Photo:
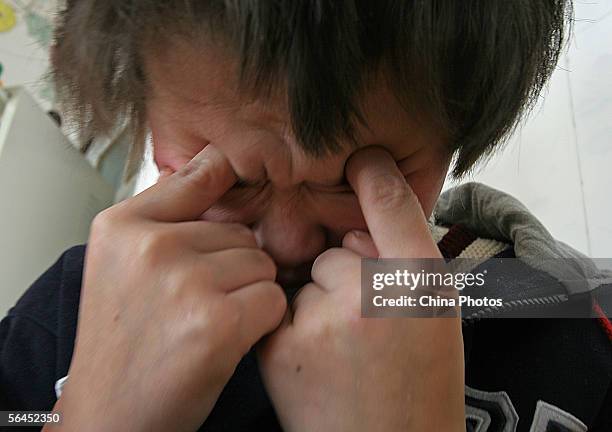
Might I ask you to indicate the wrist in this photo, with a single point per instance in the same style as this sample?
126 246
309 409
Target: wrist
78 414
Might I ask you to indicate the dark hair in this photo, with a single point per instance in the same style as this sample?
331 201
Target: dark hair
470 67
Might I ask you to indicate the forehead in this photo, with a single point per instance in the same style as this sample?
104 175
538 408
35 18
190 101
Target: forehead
195 98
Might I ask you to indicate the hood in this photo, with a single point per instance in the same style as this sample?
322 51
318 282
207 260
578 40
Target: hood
490 213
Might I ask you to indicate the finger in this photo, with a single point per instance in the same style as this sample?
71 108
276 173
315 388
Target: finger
189 192
361 243
306 301
274 343
207 236
231 269
335 268
392 211
263 305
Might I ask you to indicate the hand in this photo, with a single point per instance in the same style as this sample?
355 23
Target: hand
165 316
328 369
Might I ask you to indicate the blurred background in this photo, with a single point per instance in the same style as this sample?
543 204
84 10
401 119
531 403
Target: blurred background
558 162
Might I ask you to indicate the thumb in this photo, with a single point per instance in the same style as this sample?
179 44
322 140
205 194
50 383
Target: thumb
361 243
189 192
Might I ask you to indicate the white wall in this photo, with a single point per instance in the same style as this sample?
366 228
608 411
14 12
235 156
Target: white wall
25 61
49 195
560 162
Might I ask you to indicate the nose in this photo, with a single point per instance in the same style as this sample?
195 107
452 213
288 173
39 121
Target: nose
289 235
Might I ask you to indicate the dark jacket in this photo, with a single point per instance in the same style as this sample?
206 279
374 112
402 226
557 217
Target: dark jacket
511 364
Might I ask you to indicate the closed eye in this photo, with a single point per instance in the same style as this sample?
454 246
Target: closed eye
248 184
343 187
242 184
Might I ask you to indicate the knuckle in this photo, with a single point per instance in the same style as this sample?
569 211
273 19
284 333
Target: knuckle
182 289
215 321
229 316
105 230
153 245
213 344
104 222
389 192
202 276
228 322
263 261
277 300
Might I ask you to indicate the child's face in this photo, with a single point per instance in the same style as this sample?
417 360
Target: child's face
297 206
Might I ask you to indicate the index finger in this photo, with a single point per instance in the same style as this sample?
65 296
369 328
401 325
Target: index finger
391 210
190 191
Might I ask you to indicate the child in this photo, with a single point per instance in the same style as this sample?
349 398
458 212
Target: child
294 138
